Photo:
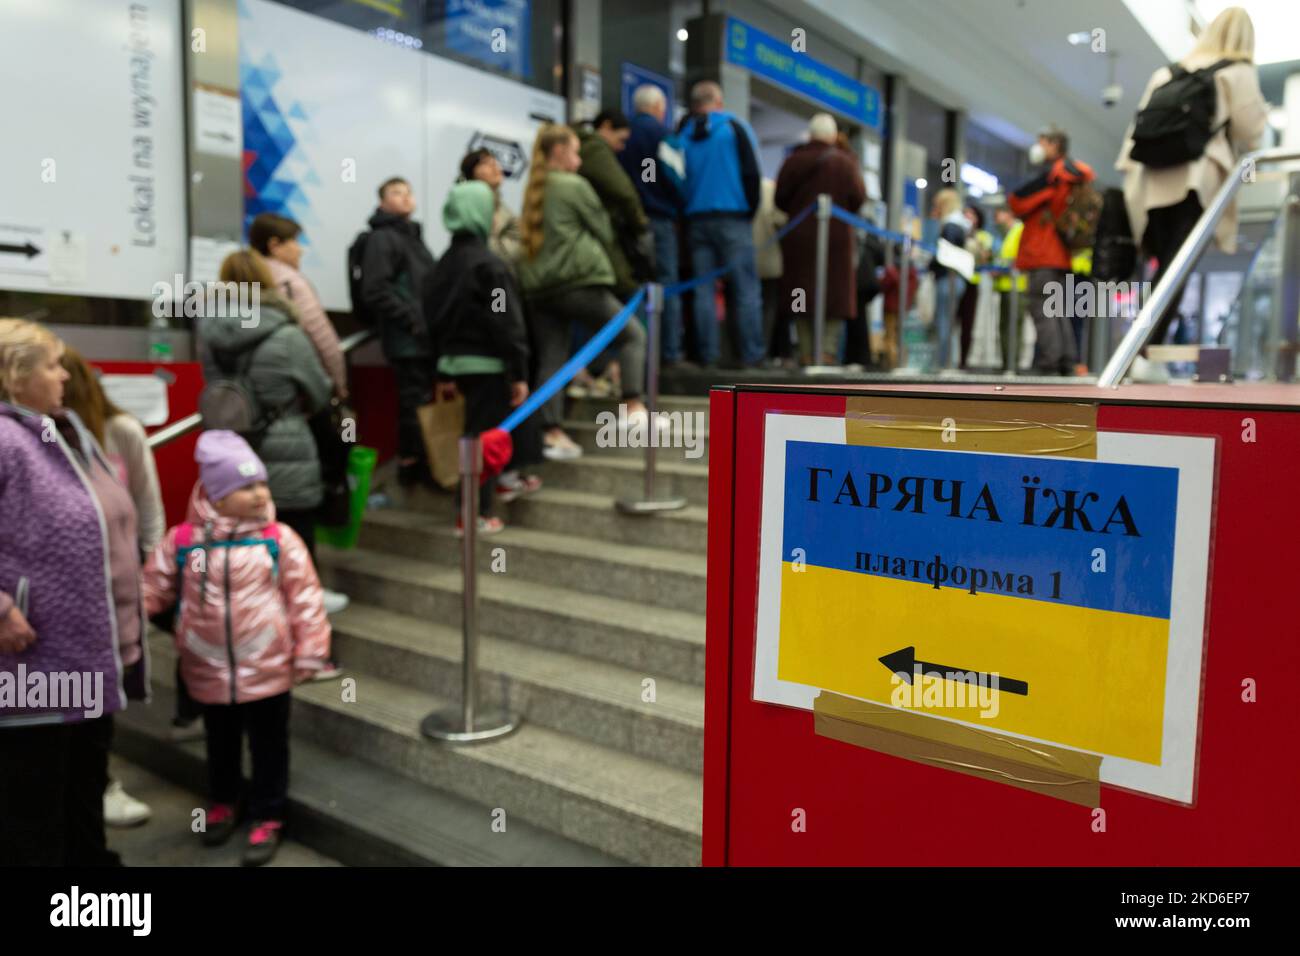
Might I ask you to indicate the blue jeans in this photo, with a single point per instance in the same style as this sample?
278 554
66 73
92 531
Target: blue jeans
946 297
718 241
665 233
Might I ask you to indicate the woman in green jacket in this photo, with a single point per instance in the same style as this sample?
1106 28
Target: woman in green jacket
566 274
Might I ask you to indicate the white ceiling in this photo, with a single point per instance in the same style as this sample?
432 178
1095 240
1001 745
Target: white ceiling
1007 62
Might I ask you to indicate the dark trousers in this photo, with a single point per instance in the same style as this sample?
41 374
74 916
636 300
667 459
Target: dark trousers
857 338
487 403
266 723
414 388
1167 229
1055 350
966 317
52 780
304 522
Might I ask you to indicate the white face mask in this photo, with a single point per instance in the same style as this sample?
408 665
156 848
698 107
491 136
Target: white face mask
1037 155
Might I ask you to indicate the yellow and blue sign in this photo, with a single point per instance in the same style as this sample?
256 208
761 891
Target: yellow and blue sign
776 61
1049 577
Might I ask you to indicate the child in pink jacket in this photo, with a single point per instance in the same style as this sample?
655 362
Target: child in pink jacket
250 624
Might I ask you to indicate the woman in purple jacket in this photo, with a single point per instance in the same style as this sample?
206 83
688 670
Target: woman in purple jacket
71 617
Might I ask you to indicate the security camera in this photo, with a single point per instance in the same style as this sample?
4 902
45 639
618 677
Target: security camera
1111 95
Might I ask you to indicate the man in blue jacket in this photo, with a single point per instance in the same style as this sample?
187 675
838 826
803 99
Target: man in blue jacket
722 192
656 170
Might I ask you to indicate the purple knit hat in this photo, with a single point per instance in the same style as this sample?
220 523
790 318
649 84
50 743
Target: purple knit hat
226 463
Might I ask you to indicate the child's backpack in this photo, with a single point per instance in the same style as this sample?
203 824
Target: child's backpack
229 400
1175 125
168 618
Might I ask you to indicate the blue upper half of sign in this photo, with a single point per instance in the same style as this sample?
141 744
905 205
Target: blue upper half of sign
494 32
861 498
774 60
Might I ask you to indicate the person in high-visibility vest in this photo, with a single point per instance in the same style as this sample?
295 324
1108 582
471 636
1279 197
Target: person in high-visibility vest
1005 256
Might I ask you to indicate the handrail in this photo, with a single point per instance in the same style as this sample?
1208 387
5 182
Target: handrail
183 426
1163 294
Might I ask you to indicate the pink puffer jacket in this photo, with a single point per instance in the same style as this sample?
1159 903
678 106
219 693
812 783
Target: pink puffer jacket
253 606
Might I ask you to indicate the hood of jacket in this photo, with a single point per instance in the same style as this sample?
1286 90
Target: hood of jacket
469 208
202 512
1071 170
234 333
701 125
387 220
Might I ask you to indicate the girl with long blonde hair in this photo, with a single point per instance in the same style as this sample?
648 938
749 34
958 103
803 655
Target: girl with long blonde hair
566 275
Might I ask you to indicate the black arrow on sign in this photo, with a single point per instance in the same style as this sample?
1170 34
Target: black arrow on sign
903 662
29 249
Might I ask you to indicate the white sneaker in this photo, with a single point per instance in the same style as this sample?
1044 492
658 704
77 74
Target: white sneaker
121 809
335 602
640 420
561 448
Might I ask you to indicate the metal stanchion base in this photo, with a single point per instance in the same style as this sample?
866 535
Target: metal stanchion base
448 725
650 507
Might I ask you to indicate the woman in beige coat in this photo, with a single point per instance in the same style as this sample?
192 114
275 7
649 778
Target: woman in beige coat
1165 204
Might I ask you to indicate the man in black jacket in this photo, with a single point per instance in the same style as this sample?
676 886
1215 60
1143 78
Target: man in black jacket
392 274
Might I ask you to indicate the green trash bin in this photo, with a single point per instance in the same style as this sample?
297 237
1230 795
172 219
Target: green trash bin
361 466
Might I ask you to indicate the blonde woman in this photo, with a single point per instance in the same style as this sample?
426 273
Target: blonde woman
124 441
290 385
566 275
1165 204
948 285
69 601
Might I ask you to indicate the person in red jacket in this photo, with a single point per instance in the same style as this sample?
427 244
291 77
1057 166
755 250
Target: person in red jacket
1043 257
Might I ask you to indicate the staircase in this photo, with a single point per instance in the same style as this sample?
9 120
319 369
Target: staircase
594 631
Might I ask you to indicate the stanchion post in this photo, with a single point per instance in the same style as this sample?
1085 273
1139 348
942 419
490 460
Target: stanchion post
469 724
823 263
903 281
1012 362
654 304
654 311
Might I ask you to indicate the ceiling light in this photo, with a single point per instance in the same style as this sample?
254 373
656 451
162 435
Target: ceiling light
682 34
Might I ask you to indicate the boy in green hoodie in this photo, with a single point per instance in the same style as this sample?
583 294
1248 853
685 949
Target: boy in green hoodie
477 329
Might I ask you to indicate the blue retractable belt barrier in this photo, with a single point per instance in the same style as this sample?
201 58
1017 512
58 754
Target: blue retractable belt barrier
601 339
595 345
843 215
677 288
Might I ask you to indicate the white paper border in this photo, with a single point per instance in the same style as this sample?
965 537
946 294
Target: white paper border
1175 778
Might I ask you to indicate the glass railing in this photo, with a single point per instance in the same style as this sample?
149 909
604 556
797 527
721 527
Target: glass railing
1235 314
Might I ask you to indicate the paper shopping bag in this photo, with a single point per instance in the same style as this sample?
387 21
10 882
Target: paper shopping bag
443 424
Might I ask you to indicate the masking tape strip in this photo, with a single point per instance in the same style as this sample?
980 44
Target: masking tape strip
1040 768
1019 428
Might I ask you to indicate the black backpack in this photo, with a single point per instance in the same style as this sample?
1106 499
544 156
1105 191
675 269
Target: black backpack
356 256
1114 256
1177 122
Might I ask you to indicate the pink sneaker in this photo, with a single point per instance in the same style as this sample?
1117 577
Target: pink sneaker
263 841
219 824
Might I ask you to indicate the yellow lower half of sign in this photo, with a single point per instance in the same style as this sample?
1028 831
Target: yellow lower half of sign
1096 679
